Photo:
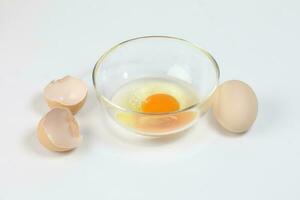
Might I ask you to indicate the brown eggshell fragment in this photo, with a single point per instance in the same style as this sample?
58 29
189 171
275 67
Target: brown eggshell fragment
68 92
58 130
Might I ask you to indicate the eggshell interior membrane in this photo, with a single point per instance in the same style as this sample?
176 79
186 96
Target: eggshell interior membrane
68 90
62 128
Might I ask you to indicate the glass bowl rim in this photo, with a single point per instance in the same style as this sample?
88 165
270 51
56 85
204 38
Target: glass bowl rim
100 96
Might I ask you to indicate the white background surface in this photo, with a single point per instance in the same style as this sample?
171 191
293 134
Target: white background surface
254 41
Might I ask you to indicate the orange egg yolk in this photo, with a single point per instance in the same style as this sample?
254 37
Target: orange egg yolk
157 103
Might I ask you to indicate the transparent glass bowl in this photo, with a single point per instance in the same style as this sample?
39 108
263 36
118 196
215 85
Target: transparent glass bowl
156 56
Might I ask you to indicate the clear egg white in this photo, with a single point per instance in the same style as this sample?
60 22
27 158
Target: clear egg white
131 95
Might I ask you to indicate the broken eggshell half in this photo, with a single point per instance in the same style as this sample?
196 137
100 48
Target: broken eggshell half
68 92
58 130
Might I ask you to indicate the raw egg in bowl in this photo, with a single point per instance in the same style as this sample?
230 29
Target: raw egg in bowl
156 85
